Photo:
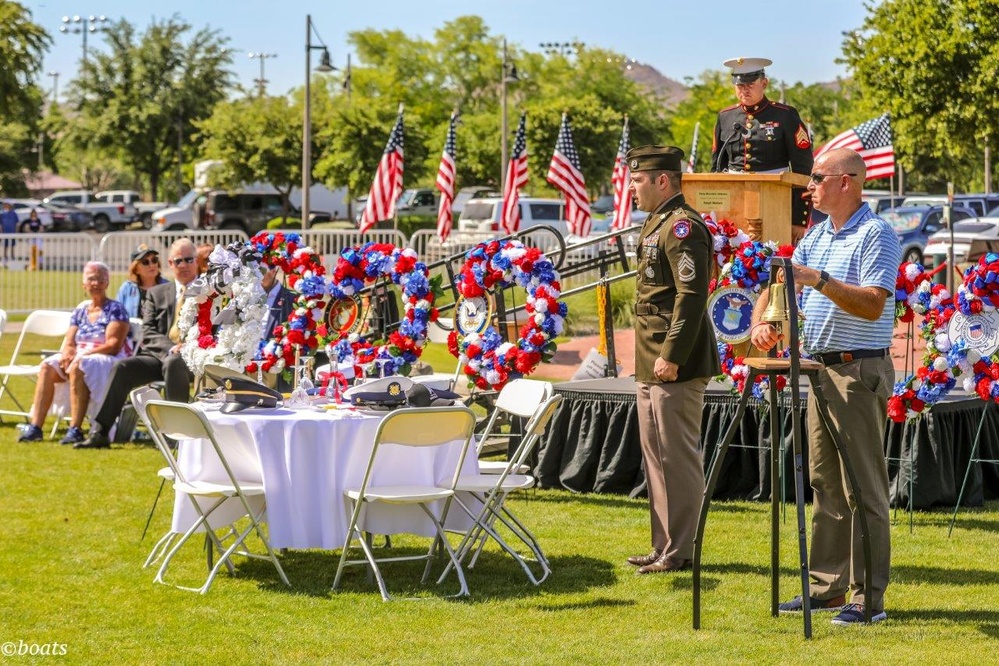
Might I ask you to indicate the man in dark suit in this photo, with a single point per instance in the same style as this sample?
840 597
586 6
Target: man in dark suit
159 356
280 302
675 353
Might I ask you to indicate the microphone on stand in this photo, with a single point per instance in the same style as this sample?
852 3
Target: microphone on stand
740 131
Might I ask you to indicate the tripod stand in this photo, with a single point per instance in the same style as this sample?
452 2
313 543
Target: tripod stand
792 368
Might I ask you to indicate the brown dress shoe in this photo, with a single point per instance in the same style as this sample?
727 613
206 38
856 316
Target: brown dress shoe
642 560
665 564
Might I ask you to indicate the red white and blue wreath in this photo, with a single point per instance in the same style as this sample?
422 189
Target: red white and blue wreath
488 361
358 267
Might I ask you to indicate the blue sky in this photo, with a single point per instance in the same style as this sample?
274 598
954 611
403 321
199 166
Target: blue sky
680 39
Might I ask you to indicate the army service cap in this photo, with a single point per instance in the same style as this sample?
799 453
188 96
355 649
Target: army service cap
747 70
655 158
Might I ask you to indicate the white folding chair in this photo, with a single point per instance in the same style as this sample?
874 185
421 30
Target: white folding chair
139 397
518 398
414 427
48 323
181 421
489 492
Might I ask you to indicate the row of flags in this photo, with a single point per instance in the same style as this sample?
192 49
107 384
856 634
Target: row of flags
871 139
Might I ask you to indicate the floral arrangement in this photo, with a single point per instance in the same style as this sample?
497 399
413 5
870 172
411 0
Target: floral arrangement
945 359
915 292
727 237
358 267
488 361
224 311
735 369
306 275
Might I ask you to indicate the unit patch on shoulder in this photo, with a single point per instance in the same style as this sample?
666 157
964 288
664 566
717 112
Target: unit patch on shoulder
681 228
801 137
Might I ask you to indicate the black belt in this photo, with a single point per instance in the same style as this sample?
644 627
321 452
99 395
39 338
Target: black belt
835 358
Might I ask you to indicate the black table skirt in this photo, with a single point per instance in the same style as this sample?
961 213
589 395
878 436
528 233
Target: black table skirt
592 446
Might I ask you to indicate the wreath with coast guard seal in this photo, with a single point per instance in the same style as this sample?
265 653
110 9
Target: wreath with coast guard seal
488 361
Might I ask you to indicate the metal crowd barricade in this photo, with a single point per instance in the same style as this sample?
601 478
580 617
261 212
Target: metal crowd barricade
116 248
42 271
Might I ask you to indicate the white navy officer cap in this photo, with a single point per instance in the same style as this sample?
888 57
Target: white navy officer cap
747 70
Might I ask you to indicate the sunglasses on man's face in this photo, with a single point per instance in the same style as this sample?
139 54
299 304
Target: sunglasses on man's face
817 178
182 260
155 261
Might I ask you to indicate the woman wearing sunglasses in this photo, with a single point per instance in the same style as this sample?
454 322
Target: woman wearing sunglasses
143 273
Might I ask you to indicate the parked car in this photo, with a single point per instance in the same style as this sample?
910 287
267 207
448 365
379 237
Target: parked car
483 215
144 209
980 204
915 224
248 211
178 217
880 200
418 203
602 205
107 216
69 218
972 238
23 208
466 194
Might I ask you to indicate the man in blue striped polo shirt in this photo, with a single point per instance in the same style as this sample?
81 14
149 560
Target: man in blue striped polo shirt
846 268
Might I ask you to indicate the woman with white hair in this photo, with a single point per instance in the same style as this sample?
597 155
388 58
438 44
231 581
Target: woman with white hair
96 339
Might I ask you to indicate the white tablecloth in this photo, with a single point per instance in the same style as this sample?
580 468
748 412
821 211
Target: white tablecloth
306 460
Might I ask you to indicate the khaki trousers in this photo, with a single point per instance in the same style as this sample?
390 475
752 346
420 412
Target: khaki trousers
669 425
857 396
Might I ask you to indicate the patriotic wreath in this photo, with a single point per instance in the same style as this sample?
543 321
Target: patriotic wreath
947 359
306 275
224 311
358 267
488 361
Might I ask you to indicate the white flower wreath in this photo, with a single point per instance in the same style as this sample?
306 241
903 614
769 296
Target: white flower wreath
229 333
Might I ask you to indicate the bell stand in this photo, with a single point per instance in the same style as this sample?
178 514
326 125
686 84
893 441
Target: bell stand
773 367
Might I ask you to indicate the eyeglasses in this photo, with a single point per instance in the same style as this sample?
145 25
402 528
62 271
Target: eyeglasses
155 261
817 178
182 260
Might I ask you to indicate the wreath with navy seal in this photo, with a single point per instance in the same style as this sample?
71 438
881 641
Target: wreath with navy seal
488 361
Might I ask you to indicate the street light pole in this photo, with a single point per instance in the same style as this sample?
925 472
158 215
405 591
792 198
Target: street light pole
324 66
261 82
562 48
55 87
508 75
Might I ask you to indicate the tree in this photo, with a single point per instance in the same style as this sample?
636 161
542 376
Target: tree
932 64
141 100
709 95
257 139
22 46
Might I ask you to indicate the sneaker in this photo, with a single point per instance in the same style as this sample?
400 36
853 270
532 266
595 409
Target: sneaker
31 434
73 435
97 440
817 605
854 614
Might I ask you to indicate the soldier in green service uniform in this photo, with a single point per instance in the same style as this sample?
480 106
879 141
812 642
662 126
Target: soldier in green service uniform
675 353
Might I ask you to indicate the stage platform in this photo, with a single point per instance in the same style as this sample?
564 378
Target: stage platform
592 446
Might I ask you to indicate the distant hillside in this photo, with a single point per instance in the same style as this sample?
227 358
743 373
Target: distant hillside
673 92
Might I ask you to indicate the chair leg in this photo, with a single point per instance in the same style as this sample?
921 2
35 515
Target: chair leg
153 509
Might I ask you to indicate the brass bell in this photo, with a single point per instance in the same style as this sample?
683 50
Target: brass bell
776 312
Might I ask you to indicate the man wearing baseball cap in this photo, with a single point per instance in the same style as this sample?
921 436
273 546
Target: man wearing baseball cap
758 135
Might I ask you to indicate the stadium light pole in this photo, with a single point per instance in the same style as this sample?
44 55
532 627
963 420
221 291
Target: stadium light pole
324 66
82 25
261 82
508 75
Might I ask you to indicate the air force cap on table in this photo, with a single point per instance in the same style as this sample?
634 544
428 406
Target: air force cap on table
747 70
655 158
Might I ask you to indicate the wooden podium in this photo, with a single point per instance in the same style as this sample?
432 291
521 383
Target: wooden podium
759 204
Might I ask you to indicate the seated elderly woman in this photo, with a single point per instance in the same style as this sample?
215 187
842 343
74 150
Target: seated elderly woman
96 339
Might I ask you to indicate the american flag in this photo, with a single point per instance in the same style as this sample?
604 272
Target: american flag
516 178
565 175
621 179
873 140
388 181
692 161
445 182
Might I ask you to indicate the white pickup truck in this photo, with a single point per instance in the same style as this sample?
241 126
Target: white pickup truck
144 209
107 216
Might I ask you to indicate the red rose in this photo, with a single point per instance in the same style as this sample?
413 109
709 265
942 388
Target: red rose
206 342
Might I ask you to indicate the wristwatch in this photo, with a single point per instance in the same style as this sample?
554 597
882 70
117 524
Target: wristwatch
823 278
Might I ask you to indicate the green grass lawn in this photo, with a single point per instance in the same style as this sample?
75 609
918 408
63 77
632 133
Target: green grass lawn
71 556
